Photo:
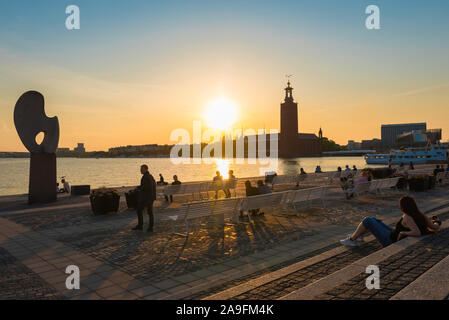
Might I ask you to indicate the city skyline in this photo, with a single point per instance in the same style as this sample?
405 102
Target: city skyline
131 75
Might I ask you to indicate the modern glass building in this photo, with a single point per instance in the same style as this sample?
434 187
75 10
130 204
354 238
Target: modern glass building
390 132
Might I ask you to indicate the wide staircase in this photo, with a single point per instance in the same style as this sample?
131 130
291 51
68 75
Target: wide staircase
412 269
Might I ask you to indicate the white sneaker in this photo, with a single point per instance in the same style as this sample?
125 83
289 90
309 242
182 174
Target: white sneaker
359 239
348 242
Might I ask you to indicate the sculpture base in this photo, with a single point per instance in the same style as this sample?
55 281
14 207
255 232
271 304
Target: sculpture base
42 188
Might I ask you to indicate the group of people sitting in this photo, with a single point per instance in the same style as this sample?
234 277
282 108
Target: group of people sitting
403 170
439 169
65 186
339 169
348 183
224 184
162 182
220 184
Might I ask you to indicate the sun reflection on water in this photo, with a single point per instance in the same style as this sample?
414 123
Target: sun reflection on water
222 165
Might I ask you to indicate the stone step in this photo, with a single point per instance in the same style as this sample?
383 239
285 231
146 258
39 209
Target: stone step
272 285
432 285
349 282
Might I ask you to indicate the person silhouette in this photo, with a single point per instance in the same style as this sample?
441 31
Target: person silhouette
145 198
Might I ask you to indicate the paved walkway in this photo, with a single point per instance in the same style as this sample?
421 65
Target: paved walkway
117 263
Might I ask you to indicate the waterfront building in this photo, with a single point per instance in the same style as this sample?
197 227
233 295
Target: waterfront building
419 138
390 132
138 148
353 145
373 144
80 148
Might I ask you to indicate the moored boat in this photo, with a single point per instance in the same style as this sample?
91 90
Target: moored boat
417 155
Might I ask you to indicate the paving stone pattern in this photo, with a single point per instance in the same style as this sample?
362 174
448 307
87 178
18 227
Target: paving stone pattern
19 282
397 271
305 276
230 284
161 255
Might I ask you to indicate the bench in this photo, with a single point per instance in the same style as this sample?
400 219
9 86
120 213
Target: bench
232 207
271 200
324 178
383 184
192 189
306 195
372 186
194 210
197 188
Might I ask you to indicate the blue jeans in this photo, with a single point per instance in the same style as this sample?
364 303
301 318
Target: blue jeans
379 229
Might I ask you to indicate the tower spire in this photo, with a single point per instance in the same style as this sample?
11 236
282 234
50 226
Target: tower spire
288 90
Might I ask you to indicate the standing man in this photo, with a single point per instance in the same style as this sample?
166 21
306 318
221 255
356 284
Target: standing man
146 197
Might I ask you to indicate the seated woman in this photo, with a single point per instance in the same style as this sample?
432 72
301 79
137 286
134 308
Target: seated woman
413 223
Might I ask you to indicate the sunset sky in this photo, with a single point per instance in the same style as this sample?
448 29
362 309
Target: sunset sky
136 70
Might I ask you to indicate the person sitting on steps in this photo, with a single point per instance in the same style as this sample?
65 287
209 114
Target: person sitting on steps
412 223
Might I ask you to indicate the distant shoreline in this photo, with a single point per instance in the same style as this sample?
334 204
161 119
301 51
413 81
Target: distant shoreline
27 156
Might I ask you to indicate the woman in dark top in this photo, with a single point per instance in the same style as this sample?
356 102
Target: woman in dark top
413 223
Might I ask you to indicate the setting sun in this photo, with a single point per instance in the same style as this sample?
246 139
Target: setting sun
221 114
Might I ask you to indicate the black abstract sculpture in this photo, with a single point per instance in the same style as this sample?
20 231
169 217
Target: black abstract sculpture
30 120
